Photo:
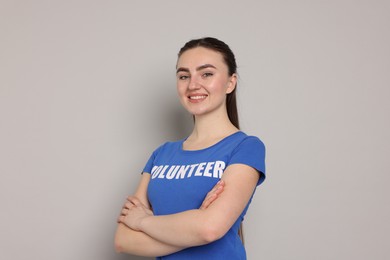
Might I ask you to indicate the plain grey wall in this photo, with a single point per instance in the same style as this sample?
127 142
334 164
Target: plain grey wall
88 91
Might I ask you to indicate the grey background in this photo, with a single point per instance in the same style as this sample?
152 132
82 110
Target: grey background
88 92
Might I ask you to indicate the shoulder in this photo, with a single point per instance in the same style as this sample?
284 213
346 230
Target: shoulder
250 141
161 152
250 150
168 146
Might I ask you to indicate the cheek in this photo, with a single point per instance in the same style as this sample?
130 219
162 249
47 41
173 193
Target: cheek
180 89
220 87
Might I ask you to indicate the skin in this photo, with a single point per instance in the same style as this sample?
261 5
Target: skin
133 242
202 84
202 72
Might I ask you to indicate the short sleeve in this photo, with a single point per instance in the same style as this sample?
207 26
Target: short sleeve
251 152
149 164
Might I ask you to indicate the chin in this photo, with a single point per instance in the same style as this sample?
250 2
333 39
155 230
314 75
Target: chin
194 111
198 113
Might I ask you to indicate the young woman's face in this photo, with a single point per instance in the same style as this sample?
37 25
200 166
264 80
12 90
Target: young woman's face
203 81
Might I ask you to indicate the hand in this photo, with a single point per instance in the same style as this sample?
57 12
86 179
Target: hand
212 195
133 212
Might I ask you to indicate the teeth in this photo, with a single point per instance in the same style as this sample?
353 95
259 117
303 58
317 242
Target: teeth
197 97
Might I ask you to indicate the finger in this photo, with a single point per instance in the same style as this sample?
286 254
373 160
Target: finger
124 212
219 190
216 190
207 202
213 194
128 205
215 186
134 200
220 184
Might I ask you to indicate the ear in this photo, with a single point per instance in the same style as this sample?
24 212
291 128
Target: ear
232 83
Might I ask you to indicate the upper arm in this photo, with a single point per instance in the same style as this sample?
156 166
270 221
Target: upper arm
240 183
141 191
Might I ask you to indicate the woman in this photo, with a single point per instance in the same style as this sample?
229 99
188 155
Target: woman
194 193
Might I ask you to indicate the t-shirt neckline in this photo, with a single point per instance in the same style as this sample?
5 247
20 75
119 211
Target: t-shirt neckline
209 147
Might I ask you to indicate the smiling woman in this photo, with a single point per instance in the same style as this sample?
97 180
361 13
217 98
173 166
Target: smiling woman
203 81
194 193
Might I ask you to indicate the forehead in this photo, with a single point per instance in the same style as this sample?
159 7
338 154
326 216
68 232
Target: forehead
199 56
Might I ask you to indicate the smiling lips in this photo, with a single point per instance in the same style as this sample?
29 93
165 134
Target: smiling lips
197 98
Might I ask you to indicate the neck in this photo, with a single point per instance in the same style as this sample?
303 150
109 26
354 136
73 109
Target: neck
212 127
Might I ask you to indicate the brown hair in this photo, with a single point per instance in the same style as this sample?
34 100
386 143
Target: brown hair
230 60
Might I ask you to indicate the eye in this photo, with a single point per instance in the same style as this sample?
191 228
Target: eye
207 75
182 77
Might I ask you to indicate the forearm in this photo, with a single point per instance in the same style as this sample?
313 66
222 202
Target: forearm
185 229
198 227
139 243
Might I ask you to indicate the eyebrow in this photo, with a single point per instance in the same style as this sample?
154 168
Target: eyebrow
205 66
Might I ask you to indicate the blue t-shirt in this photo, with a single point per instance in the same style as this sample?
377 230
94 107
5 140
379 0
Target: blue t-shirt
180 180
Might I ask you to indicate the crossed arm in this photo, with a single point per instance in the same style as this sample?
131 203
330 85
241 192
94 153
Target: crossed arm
140 232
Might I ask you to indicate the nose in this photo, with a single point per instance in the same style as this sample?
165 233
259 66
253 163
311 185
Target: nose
193 84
